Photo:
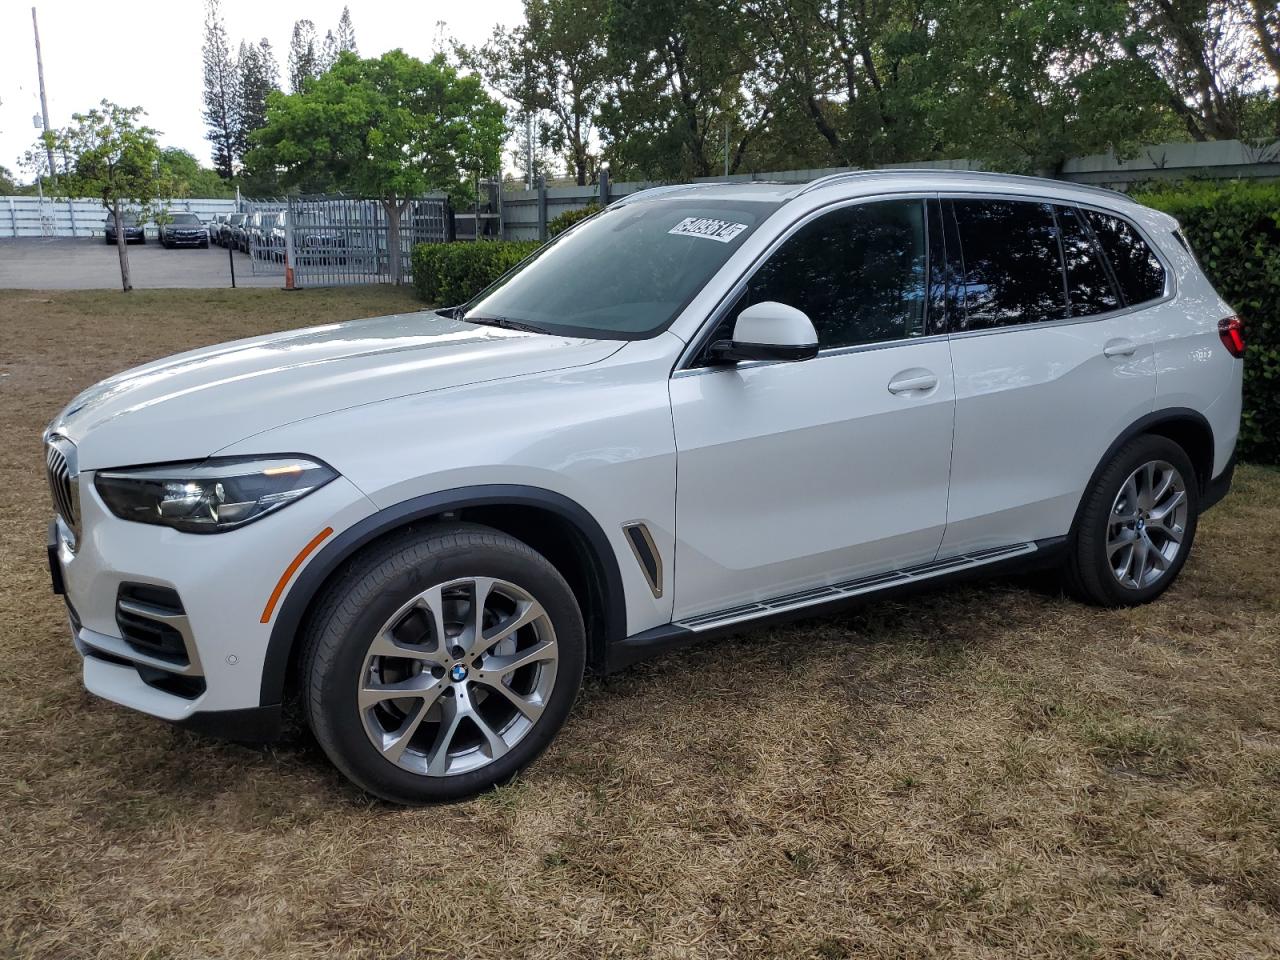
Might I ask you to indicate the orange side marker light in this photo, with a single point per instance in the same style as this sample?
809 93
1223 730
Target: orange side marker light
290 570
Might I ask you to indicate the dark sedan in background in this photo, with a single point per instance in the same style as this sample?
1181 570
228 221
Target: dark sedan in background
133 232
183 230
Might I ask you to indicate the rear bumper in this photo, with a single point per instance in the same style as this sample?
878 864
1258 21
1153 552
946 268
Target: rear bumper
1219 486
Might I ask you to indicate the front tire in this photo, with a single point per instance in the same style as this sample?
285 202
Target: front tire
441 663
1136 525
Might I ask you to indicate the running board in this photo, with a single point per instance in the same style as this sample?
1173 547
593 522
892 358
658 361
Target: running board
851 588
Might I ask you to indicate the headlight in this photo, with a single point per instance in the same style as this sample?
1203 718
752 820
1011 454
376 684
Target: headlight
210 496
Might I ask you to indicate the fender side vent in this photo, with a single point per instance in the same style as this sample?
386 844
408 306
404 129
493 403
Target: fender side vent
646 552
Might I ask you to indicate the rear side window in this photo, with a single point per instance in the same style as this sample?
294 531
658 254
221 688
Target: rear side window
1137 269
858 273
1011 263
1088 284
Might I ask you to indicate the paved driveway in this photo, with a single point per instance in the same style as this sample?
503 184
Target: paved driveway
67 264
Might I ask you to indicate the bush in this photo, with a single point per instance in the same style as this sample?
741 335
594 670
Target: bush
1234 229
559 224
453 273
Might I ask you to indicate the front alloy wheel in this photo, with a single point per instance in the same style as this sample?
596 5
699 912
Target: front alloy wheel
442 662
458 676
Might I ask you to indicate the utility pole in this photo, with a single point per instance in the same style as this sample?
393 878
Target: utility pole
44 103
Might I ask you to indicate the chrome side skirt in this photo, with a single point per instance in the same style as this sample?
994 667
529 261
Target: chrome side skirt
851 588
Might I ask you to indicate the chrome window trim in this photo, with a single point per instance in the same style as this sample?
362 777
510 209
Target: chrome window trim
697 343
684 364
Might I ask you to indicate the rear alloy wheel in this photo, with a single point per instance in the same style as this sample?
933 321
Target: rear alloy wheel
1137 524
442 663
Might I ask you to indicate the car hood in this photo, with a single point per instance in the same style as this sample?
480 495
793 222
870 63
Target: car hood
192 405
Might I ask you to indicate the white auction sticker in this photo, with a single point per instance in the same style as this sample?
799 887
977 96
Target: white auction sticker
720 230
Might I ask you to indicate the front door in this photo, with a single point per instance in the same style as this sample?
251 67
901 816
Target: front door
793 475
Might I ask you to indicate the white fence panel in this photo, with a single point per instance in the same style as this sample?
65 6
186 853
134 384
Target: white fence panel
62 217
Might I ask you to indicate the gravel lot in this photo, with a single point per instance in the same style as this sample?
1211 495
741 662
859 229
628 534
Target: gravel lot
988 771
83 264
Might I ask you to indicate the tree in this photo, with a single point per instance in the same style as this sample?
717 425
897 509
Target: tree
346 33
221 94
328 52
303 59
684 69
259 75
393 127
555 67
115 158
8 185
182 174
1213 57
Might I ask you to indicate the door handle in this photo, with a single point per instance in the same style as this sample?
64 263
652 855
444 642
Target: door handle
1119 348
919 381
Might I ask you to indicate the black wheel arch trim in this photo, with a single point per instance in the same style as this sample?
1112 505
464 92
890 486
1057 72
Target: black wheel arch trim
1144 424
298 599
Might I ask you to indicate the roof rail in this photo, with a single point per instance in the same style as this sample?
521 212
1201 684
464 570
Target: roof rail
649 192
947 173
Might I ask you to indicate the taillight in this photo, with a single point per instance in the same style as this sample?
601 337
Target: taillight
1231 330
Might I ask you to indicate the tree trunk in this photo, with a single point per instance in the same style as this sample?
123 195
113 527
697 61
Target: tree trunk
394 209
122 247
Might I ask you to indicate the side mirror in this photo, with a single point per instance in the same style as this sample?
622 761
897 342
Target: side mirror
768 331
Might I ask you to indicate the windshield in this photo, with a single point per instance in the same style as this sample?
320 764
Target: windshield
626 273
185 218
237 219
129 220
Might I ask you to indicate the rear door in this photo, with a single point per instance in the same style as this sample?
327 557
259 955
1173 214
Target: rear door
1052 363
805 474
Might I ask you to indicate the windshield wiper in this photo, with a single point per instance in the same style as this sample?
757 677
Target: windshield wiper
505 323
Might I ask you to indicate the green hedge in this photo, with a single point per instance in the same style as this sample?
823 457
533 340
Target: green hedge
1234 229
451 273
559 224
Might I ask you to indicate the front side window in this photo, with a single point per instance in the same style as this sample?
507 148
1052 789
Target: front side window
1011 263
624 274
1088 285
858 273
1138 270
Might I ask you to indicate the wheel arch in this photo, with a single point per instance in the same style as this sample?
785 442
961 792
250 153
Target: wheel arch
551 523
1187 428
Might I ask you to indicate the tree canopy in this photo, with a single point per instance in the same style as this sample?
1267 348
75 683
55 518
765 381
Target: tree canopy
392 127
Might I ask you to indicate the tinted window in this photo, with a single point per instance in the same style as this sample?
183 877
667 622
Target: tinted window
185 218
1011 263
1088 285
1138 270
626 272
859 273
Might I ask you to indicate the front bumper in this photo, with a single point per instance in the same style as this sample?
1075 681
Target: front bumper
170 624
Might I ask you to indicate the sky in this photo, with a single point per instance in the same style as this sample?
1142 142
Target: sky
160 43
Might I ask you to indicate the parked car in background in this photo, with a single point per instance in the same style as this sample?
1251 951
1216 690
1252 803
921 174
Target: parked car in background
705 408
313 241
232 232
215 228
133 230
183 230
257 229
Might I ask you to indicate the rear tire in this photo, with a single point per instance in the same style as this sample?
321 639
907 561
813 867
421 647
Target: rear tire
1136 525
470 714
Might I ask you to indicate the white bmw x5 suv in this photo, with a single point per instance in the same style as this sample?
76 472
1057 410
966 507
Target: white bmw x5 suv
703 408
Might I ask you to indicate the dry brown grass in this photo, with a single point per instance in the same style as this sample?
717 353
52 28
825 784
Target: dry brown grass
989 771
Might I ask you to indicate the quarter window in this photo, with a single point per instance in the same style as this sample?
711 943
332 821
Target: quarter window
1138 271
1011 263
1088 285
858 273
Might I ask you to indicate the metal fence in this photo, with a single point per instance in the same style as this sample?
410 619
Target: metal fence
525 213
341 241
